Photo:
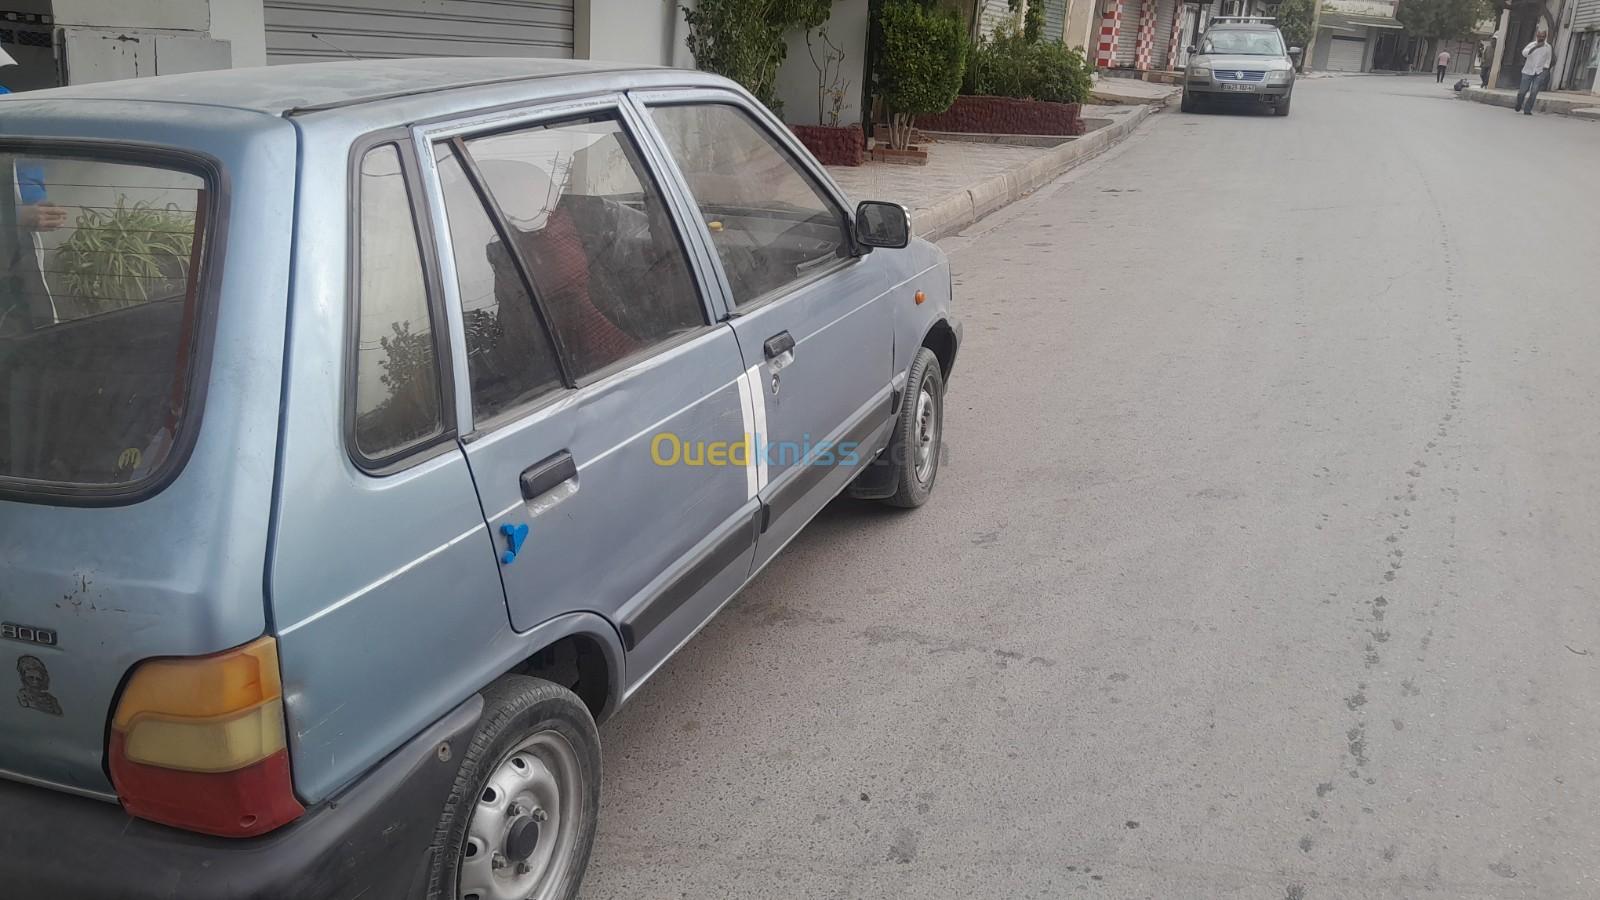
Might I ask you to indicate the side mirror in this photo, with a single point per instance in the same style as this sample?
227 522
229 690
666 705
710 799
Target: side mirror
880 224
1191 48
1295 52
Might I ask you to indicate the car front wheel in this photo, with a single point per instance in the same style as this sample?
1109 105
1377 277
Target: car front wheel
919 433
1282 109
1189 104
520 821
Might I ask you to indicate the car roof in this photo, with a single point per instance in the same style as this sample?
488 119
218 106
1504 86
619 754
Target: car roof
1242 26
284 90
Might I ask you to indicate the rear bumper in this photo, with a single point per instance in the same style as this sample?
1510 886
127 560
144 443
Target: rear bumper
371 841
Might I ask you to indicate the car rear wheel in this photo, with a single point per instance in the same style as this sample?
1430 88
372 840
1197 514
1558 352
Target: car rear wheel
919 434
520 821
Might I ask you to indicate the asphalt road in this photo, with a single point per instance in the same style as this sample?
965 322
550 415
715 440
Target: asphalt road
1263 563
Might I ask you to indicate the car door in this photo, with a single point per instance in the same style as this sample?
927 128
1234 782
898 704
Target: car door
816 334
589 347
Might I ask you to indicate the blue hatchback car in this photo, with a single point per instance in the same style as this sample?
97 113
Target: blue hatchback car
370 430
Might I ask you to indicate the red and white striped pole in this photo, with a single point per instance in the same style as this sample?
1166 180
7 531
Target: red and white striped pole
1177 36
1146 46
1110 29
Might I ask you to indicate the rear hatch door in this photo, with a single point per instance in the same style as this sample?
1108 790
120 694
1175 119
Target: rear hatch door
139 384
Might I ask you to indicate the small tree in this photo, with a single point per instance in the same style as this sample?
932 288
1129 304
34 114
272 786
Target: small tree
744 39
1435 19
1294 20
923 57
831 83
1032 18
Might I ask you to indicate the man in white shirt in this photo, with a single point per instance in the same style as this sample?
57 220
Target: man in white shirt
1537 56
1441 64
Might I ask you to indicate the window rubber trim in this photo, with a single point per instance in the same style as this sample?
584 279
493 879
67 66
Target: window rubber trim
649 101
202 323
502 229
443 440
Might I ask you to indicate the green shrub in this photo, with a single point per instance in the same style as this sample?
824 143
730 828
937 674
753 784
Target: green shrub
126 255
1032 19
1061 73
744 39
920 65
1009 65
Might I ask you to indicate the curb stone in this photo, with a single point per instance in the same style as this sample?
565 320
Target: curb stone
1555 105
977 200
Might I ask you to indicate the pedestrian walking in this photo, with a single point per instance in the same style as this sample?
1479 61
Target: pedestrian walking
1487 62
1537 57
1441 65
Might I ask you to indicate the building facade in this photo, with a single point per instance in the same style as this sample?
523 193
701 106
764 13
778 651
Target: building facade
1519 21
1141 35
1353 35
1578 48
79 41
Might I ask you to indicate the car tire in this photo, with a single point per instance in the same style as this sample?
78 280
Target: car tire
1188 103
918 439
520 820
1282 109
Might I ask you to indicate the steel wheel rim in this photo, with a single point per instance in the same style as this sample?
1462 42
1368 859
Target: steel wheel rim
534 798
927 424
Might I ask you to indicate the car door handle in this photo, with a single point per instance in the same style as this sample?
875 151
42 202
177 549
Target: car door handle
547 475
778 345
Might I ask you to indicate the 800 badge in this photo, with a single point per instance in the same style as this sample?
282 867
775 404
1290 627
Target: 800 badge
27 634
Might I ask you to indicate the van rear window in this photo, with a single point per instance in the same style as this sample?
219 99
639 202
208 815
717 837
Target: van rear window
99 276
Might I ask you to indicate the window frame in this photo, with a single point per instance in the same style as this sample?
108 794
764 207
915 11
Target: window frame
202 340
422 227
506 120
785 143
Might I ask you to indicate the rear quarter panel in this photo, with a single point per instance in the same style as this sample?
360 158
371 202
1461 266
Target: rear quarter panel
178 573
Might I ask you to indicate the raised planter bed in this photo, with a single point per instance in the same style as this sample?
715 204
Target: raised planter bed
841 146
1007 115
1014 140
912 156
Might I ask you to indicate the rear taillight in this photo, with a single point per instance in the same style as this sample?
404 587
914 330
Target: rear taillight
199 743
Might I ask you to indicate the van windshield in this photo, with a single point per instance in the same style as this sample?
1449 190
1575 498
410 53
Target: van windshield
99 267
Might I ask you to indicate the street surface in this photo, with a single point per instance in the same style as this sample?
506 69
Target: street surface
1263 562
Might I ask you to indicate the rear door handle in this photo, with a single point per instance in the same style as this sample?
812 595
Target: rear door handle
547 475
778 345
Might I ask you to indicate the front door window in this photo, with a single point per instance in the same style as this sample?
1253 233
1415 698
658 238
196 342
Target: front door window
771 224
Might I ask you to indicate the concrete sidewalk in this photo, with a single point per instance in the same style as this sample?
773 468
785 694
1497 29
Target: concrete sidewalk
1563 103
969 178
1131 91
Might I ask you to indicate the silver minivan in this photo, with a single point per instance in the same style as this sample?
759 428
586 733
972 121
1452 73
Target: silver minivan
370 430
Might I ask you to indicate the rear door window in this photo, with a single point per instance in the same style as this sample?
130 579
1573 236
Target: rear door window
509 355
591 230
100 275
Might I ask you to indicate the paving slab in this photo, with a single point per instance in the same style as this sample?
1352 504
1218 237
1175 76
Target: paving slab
1125 91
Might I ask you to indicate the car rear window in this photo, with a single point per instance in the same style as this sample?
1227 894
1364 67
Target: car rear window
99 275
